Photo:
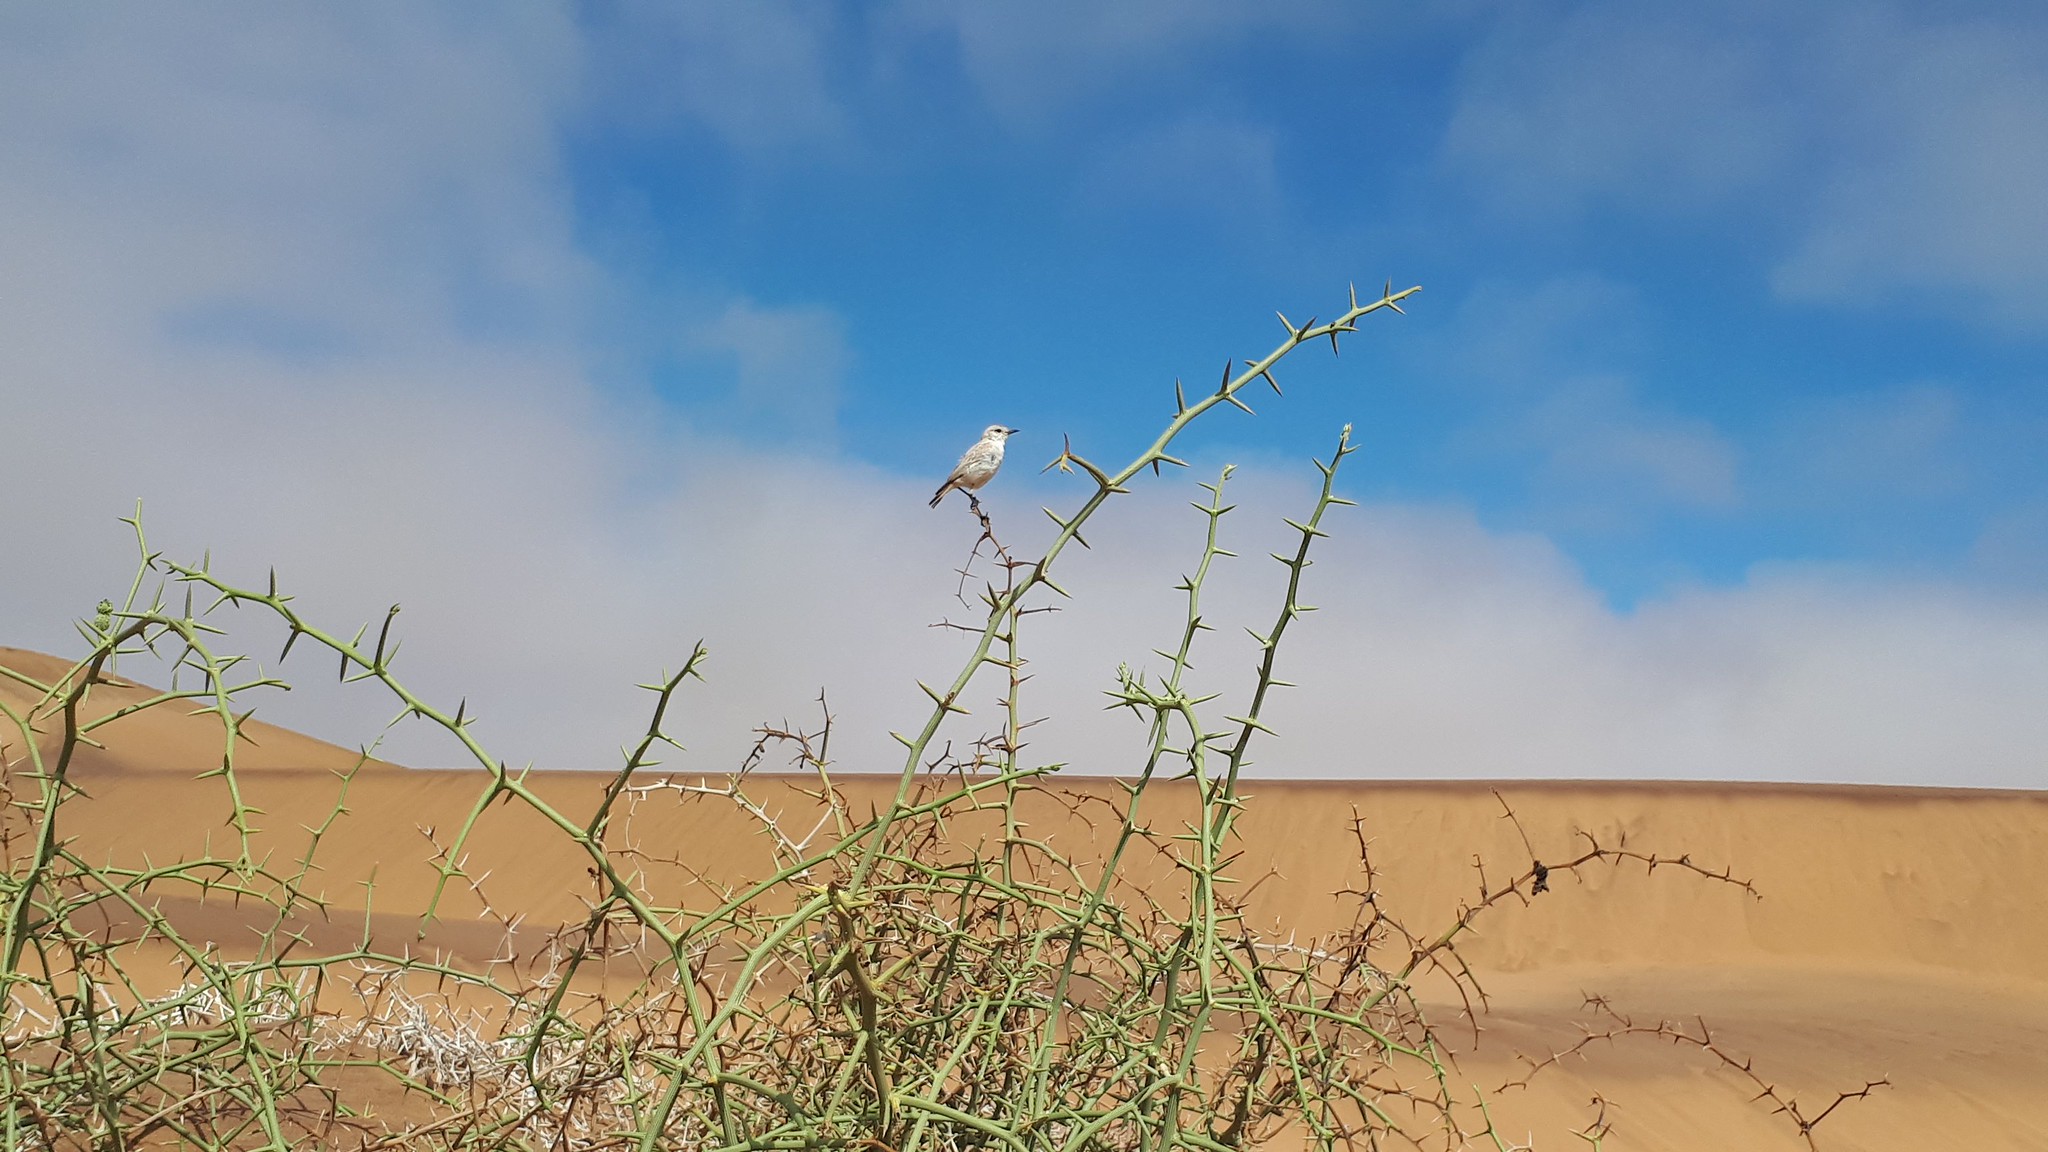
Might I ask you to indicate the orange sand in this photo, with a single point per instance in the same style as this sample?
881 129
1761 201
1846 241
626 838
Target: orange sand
1902 932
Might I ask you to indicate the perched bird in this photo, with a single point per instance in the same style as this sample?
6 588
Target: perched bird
978 466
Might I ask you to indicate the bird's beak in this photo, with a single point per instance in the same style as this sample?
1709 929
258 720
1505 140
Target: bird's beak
1013 431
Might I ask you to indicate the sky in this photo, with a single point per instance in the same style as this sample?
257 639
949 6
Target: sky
1710 449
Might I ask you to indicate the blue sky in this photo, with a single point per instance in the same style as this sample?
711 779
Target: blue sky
1711 448
1705 287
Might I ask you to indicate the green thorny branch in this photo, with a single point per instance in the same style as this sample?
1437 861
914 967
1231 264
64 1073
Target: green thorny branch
883 984
113 1046
362 661
1002 613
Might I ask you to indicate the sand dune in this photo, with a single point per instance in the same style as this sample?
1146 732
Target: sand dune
173 739
1900 933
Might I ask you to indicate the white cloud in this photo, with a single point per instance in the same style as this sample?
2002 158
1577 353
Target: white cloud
1943 191
310 285
1033 60
1549 366
790 363
757 75
1619 102
1469 654
1595 437
1883 443
552 544
232 172
2013 545
1873 156
1516 336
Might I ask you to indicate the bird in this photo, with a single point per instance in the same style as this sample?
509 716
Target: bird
977 466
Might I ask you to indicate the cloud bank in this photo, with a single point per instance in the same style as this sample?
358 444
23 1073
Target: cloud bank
1883 154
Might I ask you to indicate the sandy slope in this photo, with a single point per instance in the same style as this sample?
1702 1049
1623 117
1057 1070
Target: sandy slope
1900 933
160 739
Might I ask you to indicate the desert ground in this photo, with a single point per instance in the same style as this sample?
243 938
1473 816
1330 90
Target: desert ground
1896 934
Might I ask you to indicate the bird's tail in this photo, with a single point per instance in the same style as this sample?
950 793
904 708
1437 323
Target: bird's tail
941 493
